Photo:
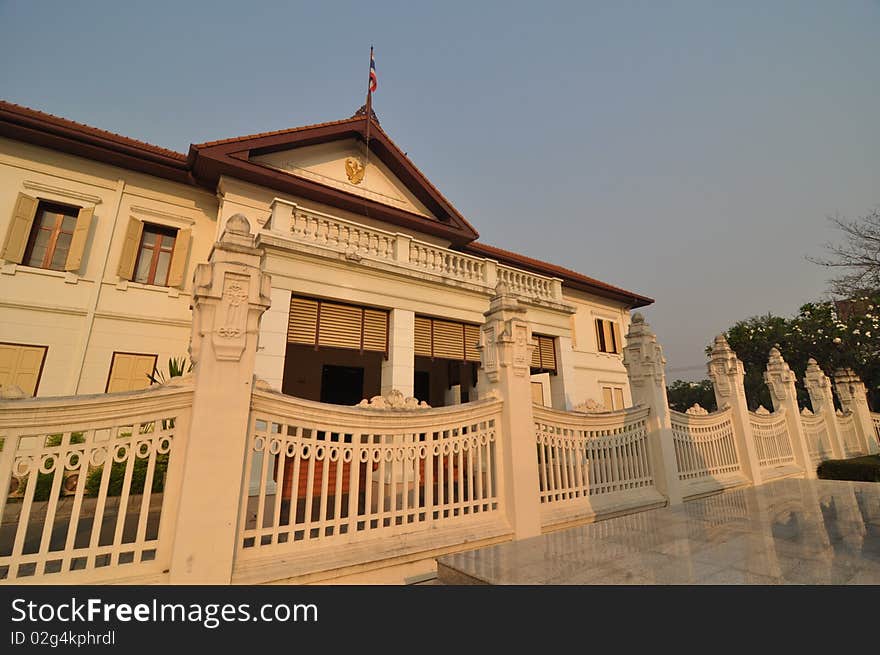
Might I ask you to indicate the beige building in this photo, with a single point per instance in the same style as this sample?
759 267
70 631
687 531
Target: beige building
378 282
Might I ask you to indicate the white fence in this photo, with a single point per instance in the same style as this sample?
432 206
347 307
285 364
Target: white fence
705 449
89 485
587 462
332 476
849 436
818 441
772 441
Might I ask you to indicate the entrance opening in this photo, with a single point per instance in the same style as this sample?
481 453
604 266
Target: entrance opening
331 375
445 382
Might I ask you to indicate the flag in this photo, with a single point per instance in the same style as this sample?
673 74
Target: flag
373 80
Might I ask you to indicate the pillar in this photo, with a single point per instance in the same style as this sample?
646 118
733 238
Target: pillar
780 379
230 294
727 373
644 362
398 371
272 344
506 347
562 384
854 398
819 387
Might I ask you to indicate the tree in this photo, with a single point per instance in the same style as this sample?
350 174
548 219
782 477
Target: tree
683 394
858 257
837 334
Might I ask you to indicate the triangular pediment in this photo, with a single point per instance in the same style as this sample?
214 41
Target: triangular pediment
344 165
328 163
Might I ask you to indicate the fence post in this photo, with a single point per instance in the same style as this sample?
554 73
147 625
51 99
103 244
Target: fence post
819 387
506 347
644 362
780 380
230 294
854 398
727 374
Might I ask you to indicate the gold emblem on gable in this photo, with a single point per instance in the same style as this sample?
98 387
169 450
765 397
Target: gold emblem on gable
354 169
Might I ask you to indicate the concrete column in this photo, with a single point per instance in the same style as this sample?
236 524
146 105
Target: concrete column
506 347
282 216
819 387
644 362
727 373
230 294
402 244
562 385
780 379
272 344
854 398
398 371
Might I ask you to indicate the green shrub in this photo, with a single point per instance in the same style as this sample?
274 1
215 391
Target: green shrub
138 477
860 469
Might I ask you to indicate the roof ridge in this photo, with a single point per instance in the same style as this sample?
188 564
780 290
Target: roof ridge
89 129
288 130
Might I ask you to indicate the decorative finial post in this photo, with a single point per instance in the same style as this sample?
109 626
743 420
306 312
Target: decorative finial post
821 398
727 374
780 379
506 347
854 398
230 294
644 362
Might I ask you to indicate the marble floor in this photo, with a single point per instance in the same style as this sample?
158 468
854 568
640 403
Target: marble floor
785 532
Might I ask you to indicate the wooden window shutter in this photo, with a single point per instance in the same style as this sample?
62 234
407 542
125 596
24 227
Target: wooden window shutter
607 398
422 335
618 398
536 355
618 344
78 240
375 330
129 372
339 326
19 228
600 336
448 340
130 247
20 366
547 347
177 268
471 340
302 326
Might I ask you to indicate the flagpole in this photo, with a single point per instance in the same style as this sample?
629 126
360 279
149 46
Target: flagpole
368 114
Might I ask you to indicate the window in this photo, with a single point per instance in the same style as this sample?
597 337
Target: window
45 234
21 366
544 354
608 335
130 371
612 398
154 254
325 324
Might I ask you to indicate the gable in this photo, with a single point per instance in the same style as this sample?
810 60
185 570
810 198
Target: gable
340 164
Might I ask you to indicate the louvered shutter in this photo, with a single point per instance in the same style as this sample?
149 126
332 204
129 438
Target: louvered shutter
178 258
375 330
339 326
423 337
130 247
618 344
78 240
19 228
302 326
448 340
471 340
544 354
334 325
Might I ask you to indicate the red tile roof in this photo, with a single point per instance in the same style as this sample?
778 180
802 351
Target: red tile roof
13 111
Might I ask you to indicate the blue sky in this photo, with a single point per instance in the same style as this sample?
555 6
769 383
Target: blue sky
690 151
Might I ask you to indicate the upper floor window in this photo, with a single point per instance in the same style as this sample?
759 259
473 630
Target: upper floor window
46 234
608 335
154 254
51 234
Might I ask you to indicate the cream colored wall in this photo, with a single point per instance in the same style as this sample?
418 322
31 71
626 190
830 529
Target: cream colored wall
594 369
84 316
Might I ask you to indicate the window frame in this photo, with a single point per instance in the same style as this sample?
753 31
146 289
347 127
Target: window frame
61 210
160 231
124 352
42 363
601 342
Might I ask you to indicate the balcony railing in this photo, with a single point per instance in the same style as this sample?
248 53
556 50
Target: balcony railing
314 228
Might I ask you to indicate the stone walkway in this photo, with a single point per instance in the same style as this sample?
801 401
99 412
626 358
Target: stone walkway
784 532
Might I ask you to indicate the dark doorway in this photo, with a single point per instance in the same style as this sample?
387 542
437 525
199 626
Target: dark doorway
342 385
422 384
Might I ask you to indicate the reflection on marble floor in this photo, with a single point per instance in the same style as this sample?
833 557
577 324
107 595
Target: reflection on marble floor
784 532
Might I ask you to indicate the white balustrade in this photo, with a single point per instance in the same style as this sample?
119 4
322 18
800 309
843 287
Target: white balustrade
582 456
89 485
818 441
875 418
448 263
705 446
847 428
772 442
530 285
343 475
345 236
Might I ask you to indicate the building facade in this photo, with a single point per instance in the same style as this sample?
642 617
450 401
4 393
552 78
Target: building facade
378 282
